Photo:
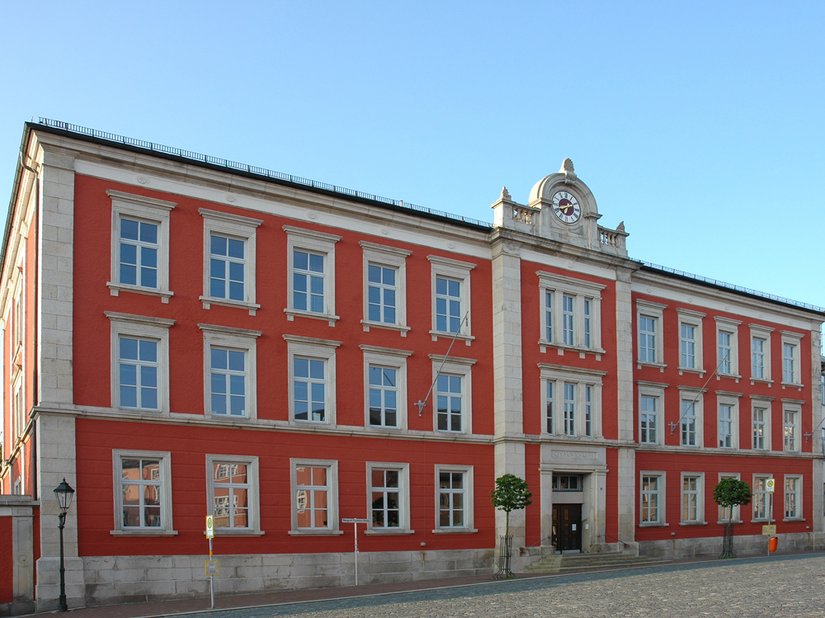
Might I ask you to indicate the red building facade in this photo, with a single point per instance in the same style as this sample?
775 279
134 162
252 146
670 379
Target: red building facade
187 337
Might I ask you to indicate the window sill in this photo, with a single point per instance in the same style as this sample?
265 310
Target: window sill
796 520
467 339
227 532
403 329
116 288
795 385
143 532
455 531
653 525
722 522
561 348
693 524
390 532
291 314
731 376
699 372
299 422
208 301
767 381
660 366
315 532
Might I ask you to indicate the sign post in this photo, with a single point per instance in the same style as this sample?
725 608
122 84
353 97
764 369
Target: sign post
770 486
212 566
355 521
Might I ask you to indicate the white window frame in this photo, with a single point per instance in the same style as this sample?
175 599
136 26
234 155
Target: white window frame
463 367
238 339
469 520
252 487
685 495
732 400
759 495
147 209
452 269
392 257
311 241
795 340
762 333
581 379
126 324
320 349
793 409
165 493
403 470
18 408
722 511
657 392
558 286
732 327
387 357
661 498
765 405
654 311
797 514
243 228
332 526
697 399
693 319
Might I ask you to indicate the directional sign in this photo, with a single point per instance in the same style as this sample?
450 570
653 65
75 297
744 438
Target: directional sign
354 520
770 485
210 527
769 530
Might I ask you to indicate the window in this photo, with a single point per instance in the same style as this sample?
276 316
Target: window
385 383
690 419
229 260
790 428
727 347
388 497
230 362
790 358
693 509
724 511
651 414
453 393
311 274
651 498
18 406
454 501
451 297
761 497
18 319
793 497
232 492
760 352
570 312
727 422
761 425
143 491
140 244
140 362
649 318
568 482
314 496
690 340
311 379
572 400
385 287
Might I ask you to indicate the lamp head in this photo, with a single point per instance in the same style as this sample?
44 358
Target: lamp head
64 494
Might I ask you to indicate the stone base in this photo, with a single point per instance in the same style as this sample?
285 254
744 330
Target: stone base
711 547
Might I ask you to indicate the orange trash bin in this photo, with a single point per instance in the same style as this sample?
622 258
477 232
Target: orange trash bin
773 543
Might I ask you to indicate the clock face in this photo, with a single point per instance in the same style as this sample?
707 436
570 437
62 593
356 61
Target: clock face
566 207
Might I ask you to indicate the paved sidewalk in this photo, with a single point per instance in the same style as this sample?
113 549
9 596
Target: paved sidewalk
787 584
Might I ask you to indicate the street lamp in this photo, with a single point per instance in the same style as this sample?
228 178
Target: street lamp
64 494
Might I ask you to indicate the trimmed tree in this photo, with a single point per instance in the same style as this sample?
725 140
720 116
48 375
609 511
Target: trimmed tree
509 494
730 492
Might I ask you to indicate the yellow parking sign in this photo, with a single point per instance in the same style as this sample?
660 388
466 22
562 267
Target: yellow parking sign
770 485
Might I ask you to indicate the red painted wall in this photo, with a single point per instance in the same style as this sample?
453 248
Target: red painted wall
6 561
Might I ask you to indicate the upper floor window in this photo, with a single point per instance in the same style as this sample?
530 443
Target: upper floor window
690 340
452 393
140 244
572 400
229 260
314 496
454 500
451 297
232 492
139 361
727 422
690 419
385 287
651 414
311 274
570 312
761 425
143 491
389 499
760 353
727 347
790 427
385 372
649 319
230 370
791 373
312 379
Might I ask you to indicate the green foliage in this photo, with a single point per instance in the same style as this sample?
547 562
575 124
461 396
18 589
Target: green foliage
731 492
510 493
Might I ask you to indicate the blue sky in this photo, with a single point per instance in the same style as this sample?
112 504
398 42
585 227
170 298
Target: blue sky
701 125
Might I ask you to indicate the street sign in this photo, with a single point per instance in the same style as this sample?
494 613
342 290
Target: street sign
354 520
770 484
769 530
210 527
212 567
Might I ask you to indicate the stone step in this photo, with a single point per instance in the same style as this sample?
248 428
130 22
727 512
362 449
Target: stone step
559 563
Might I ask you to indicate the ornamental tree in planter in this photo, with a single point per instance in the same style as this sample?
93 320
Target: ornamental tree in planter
509 494
730 492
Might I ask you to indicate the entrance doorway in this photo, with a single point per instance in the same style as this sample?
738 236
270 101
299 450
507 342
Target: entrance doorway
567 527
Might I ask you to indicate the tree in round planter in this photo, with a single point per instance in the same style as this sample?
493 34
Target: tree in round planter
730 492
509 494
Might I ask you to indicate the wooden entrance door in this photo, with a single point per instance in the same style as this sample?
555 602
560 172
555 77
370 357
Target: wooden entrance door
567 527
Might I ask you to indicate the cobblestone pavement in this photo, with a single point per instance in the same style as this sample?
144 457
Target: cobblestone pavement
766 586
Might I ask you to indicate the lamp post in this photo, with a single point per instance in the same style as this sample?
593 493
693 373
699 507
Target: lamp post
64 494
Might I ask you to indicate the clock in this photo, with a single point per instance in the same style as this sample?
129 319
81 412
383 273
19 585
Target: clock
566 206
